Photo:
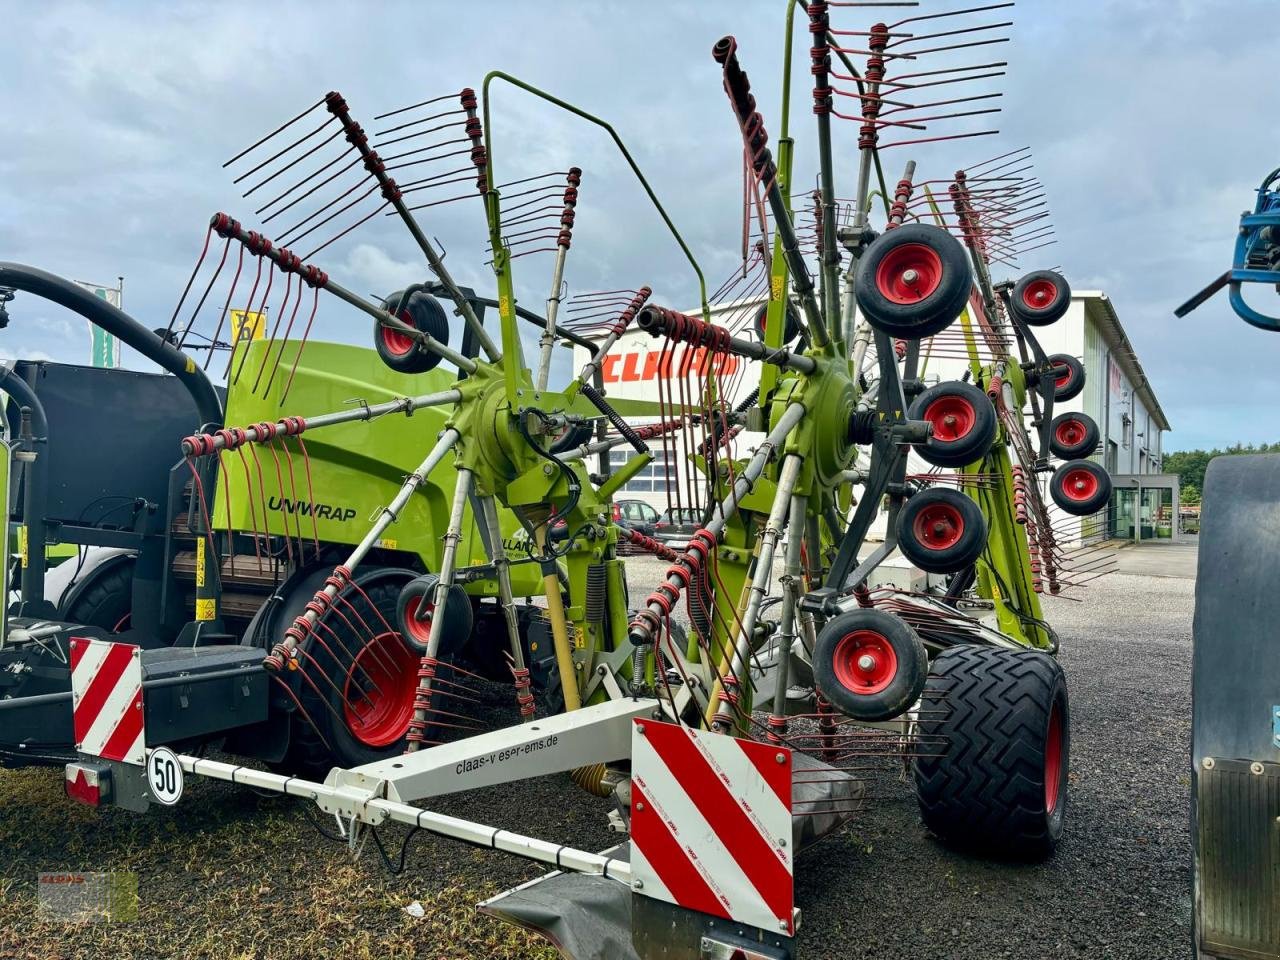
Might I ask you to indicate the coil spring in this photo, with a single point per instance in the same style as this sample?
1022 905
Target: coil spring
591 778
597 575
614 418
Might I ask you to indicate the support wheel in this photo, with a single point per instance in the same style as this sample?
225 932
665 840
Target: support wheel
400 352
1040 298
1080 487
913 281
941 530
1068 376
870 664
995 782
458 615
789 332
1073 435
964 423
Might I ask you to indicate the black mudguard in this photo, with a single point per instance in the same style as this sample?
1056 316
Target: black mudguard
1235 730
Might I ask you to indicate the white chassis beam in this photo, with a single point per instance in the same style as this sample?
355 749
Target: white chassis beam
595 734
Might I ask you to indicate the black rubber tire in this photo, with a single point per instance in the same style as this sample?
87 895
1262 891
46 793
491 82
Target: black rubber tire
308 753
888 255
1077 494
1040 298
957 545
106 599
789 332
1073 435
984 783
893 680
459 618
424 313
1071 379
975 430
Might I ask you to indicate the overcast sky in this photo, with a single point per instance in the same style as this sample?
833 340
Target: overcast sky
1147 119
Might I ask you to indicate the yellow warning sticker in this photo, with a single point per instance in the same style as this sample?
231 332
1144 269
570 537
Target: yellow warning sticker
504 305
200 563
191 365
22 543
580 639
388 544
206 610
777 288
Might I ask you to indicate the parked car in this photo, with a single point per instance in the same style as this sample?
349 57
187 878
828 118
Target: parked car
677 524
635 515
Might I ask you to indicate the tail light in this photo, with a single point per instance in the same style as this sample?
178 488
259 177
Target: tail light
617 513
89 783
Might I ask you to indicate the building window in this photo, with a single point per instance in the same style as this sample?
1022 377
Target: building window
655 477
1113 457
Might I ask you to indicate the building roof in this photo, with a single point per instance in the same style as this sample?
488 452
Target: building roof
1100 309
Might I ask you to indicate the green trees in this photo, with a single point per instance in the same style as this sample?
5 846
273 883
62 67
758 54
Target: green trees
1190 465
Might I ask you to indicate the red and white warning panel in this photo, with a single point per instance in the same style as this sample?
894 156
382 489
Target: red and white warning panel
106 696
711 824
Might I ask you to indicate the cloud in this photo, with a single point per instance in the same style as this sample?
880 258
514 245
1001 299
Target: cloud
118 118
372 269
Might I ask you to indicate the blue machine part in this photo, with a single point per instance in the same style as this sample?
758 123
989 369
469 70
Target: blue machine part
1256 259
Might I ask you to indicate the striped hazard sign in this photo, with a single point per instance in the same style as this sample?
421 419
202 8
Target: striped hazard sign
711 824
106 696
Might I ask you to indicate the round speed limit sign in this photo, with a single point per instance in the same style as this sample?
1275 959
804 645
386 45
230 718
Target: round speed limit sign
164 776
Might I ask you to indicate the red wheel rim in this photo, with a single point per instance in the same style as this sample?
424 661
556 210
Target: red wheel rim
909 273
1039 294
1079 484
952 417
396 342
1070 433
378 691
1053 761
864 662
939 526
1064 377
418 630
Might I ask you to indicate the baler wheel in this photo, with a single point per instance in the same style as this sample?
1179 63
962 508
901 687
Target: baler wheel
994 780
107 600
372 678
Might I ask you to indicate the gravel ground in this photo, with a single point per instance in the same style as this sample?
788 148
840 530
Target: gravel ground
234 875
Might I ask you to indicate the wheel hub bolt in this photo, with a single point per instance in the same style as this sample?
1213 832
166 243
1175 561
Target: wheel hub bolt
939 528
910 276
866 663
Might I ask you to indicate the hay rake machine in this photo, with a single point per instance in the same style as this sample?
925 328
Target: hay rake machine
745 707
1235 687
